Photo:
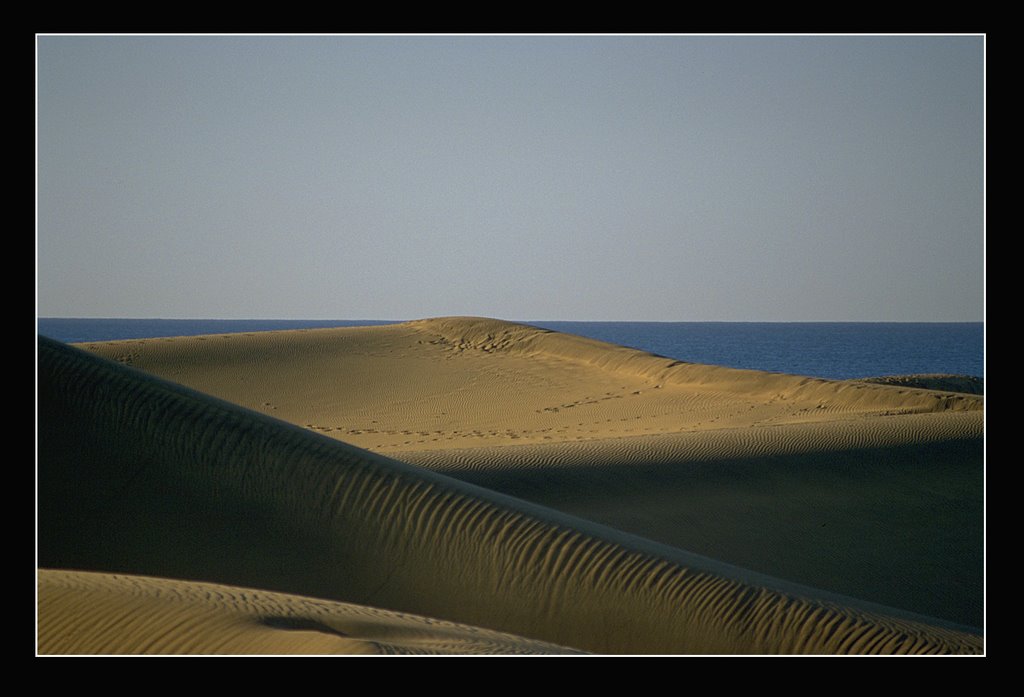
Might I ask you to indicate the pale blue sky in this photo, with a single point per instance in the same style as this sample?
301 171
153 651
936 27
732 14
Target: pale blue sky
577 178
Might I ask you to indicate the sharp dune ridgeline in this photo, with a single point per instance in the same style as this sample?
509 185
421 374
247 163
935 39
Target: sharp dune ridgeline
465 485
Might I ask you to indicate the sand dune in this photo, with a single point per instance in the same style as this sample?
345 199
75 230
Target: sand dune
144 477
94 613
463 382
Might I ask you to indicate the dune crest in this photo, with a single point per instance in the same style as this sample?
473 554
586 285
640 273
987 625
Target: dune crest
138 475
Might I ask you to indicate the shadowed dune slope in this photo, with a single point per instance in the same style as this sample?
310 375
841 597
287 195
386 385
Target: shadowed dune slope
871 491
885 509
137 475
82 612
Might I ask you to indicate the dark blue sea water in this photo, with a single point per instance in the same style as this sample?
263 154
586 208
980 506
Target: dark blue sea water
837 350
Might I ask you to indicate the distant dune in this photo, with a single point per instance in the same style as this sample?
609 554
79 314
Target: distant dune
948 383
554 488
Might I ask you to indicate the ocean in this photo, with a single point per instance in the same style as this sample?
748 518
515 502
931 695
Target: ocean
835 350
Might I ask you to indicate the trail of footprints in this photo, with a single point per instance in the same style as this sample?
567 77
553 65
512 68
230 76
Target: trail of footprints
412 438
409 437
609 427
582 402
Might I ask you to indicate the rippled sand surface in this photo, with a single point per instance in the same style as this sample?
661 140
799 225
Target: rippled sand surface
536 490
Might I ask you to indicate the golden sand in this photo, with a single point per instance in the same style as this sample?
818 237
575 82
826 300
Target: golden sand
81 612
542 485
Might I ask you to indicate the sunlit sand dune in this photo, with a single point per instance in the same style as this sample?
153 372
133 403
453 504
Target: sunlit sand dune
658 502
82 612
462 382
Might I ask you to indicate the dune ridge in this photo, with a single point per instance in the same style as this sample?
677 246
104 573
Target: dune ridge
127 460
819 518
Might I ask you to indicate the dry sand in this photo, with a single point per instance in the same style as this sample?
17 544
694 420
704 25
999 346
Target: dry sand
82 612
547 486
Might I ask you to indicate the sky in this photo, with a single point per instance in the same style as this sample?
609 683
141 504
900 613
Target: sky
645 178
